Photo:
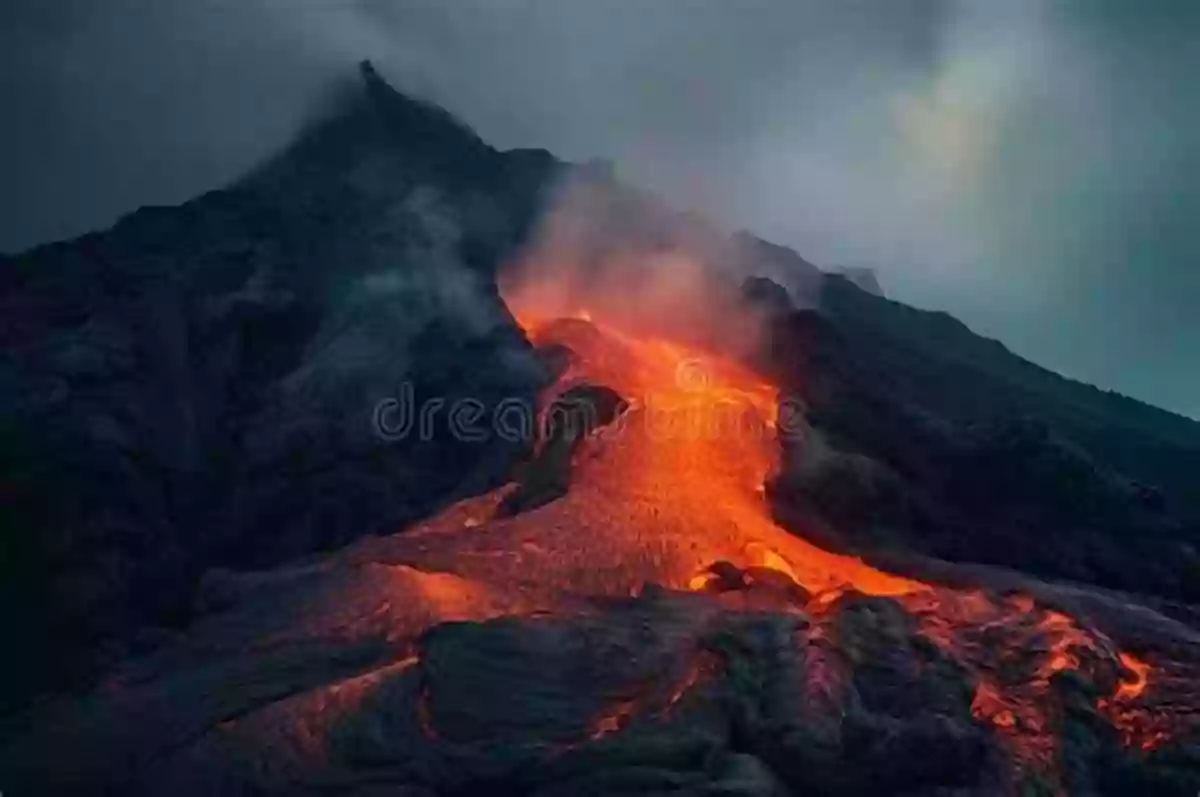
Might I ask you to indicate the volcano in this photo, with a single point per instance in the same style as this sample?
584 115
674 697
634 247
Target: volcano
657 510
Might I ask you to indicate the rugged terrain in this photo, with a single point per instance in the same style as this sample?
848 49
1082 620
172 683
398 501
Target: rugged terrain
758 531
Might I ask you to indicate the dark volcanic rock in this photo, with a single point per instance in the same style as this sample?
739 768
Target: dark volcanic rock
665 692
199 385
271 369
274 369
756 584
925 439
572 416
767 295
317 679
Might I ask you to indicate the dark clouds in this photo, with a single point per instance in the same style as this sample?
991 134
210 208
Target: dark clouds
1026 164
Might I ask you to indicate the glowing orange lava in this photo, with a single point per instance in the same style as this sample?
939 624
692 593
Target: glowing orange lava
684 478
675 485
1128 690
686 471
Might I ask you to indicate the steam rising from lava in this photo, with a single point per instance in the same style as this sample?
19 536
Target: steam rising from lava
651 272
664 495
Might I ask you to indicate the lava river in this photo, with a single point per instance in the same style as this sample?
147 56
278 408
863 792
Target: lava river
676 484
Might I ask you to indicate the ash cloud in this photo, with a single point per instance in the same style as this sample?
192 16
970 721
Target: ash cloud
1027 165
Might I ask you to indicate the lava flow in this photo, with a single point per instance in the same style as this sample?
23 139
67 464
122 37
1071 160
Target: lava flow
679 482
675 485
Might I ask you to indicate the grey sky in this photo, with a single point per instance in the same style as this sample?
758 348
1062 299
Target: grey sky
1029 165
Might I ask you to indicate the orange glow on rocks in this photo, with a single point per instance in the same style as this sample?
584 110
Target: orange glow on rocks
685 472
989 705
1132 687
654 703
672 493
680 487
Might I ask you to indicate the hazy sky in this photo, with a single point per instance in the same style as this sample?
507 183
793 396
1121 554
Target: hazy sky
1032 166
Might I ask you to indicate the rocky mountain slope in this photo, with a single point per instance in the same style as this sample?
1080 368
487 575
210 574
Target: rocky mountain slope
197 392
196 385
978 455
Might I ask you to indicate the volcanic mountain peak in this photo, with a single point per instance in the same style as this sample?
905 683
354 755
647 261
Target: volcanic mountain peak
423 124
754 561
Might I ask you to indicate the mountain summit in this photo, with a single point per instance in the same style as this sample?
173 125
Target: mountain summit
254 544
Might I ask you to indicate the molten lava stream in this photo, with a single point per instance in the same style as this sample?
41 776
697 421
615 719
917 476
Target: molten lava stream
679 484
676 484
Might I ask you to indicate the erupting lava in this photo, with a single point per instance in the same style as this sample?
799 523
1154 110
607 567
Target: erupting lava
673 490
681 475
